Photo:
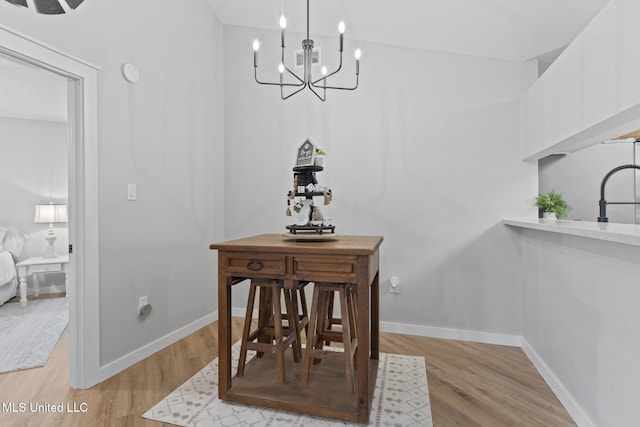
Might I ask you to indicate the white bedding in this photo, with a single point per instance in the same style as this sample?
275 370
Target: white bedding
11 244
8 277
7 268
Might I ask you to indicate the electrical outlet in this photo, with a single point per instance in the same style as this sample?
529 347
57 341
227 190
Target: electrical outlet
144 308
394 285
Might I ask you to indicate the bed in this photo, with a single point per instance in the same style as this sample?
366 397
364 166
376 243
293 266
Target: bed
11 244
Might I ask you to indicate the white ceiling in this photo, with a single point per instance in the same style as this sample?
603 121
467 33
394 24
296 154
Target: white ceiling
515 30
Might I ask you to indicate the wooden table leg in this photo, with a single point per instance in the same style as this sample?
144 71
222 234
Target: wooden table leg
364 344
224 331
375 318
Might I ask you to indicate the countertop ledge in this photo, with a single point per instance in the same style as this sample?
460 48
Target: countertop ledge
627 234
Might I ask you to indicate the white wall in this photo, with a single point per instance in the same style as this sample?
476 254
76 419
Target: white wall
33 169
424 153
163 134
581 318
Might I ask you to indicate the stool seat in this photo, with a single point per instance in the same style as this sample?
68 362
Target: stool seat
271 335
320 330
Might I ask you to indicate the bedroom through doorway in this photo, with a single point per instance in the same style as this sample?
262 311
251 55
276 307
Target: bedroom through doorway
81 81
34 118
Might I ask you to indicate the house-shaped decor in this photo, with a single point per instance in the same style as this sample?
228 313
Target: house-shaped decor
306 154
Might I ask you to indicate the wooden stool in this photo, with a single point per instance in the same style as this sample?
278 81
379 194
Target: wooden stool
270 327
330 320
295 302
321 330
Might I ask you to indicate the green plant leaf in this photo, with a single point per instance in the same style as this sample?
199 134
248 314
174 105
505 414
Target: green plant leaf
553 202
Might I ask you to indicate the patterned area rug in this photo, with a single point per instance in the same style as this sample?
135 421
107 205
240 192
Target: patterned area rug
401 398
29 334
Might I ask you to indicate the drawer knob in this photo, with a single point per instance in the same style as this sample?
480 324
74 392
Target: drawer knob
255 265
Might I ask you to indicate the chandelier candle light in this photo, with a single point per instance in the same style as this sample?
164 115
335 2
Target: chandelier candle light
307 80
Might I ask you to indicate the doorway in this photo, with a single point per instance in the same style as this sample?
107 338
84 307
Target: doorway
84 361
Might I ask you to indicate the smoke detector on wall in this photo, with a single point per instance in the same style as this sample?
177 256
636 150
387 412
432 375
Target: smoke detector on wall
131 73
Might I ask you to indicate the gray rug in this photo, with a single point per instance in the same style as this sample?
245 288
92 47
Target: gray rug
401 398
29 334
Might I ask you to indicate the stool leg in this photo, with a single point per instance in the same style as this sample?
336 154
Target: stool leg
346 338
311 337
305 312
298 319
246 330
265 311
329 313
293 321
353 313
324 322
277 323
353 322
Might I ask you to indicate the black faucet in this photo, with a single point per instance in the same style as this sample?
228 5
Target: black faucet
603 202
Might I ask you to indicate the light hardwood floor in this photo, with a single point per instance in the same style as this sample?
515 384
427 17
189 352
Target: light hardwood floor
470 384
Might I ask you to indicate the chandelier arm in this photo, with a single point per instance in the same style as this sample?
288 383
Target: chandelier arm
288 70
338 87
292 93
330 74
321 98
294 75
275 84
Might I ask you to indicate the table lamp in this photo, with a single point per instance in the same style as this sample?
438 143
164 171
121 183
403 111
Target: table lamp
50 214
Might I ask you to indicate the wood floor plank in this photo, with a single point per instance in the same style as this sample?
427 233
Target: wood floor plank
470 384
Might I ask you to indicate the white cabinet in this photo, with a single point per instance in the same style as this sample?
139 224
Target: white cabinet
591 92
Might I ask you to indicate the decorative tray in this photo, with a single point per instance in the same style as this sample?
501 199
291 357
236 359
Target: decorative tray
311 237
311 229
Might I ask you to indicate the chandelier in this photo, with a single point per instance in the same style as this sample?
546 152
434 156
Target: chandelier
48 7
319 86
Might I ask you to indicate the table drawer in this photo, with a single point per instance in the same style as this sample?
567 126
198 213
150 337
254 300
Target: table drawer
259 264
325 265
45 268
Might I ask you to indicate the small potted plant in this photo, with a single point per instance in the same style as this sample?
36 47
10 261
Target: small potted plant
552 205
320 155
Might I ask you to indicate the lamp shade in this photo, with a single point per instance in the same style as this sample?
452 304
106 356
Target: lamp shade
51 213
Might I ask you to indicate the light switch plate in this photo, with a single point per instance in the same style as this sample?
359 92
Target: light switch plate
132 192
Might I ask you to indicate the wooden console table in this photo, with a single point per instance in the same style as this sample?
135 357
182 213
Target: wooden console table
349 259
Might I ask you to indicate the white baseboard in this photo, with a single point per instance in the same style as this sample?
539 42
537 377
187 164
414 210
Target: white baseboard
580 417
112 368
432 331
49 289
452 334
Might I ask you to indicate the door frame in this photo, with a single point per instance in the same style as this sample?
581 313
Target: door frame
83 200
